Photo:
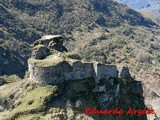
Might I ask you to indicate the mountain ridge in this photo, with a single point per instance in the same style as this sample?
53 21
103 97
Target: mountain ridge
77 11
153 5
149 8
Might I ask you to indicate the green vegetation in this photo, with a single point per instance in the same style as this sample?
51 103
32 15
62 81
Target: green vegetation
35 99
51 60
29 98
144 66
11 78
34 18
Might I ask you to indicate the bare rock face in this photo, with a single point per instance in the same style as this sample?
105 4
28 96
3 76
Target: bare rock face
46 39
52 42
40 52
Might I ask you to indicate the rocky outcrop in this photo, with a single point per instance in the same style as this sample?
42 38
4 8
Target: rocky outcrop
52 41
40 52
48 44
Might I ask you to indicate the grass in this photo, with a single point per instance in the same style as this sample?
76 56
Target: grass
38 96
31 117
53 59
49 61
11 78
5 91
31 99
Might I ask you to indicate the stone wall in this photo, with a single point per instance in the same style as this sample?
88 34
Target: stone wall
80 71
69 71
49 75
103 71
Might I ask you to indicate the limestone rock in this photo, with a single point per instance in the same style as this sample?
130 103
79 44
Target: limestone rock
52 41
46 39
58 47
40 52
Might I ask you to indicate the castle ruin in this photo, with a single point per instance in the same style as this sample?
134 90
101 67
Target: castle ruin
52 64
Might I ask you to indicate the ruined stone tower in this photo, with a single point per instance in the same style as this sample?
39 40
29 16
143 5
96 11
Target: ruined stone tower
52 64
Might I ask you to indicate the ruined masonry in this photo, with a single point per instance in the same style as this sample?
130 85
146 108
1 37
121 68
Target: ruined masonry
52 64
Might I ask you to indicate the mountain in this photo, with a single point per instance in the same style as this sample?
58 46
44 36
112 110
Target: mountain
149 8
28 20
152 5
13 55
